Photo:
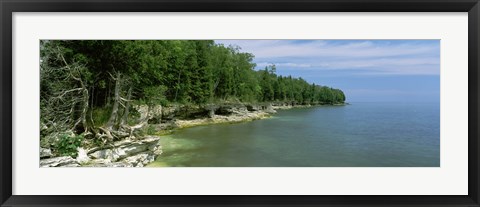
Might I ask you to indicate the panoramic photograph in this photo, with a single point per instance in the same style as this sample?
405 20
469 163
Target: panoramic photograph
239 103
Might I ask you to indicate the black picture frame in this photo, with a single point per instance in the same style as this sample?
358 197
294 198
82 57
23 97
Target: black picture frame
7 7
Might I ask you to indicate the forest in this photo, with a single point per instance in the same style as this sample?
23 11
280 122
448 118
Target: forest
90 86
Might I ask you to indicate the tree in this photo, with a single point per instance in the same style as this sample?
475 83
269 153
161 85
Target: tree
81 77
64 89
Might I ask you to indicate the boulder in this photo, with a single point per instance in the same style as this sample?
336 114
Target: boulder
269 109
82 156
65 161
45 153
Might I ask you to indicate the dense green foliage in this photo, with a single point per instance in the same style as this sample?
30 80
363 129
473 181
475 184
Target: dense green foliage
68 144
82 76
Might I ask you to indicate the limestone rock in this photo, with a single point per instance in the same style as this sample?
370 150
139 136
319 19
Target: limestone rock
124 153
45 153
191 112
142 110
99 161
269 109
163 126
110 164
155 114
82 156
155 149
140 160
211 113
168 113
253 107
71 165
102 154
107 163
125 149
65 161
131 149
225 110
119 164
109 154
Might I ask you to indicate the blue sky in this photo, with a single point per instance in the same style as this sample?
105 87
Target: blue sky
366 70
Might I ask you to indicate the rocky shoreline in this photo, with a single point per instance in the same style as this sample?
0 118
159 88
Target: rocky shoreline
228 114
142 151
124 153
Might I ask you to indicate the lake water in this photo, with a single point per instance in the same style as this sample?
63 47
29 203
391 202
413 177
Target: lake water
356 135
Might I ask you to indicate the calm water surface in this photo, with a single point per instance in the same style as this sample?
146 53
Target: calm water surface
361 134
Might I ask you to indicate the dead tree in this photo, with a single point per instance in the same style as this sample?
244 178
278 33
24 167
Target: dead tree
111 124
127 107
65 99
117 125
75 73
64 102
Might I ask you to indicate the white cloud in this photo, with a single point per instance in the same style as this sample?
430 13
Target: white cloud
405 57
290 65
279 48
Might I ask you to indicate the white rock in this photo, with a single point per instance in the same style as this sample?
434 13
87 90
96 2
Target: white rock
109 154
149 159
133 149
108 164
134 153
136 159
58 162
142 110
82 156
156 112
71 165
44 153
102 154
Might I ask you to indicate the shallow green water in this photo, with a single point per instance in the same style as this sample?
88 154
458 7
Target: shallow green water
361 134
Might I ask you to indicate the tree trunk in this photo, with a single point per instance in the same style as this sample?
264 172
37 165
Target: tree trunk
127 107
113 117
92 103
85 110
107 97
178 85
